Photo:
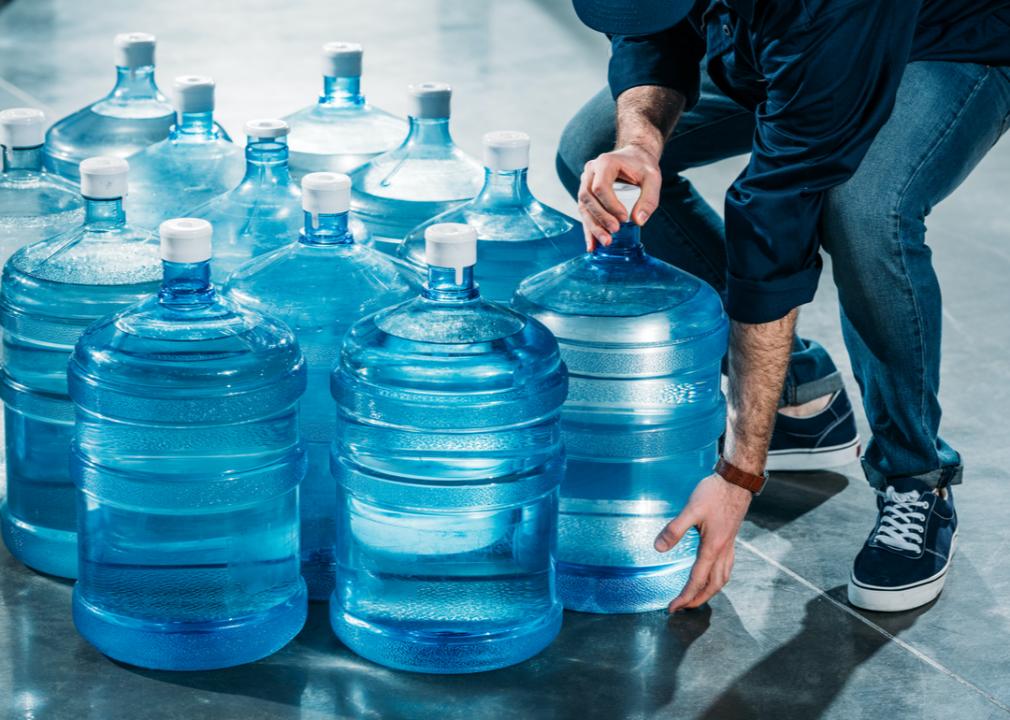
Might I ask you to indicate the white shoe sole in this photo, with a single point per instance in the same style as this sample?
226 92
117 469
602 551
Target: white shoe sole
900 599
814 459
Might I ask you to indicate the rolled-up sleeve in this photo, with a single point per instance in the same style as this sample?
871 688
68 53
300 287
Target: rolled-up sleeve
671 58
831 86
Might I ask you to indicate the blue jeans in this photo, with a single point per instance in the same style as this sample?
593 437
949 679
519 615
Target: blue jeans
947 116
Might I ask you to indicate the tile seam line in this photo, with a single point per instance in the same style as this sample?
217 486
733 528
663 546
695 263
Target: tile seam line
908 647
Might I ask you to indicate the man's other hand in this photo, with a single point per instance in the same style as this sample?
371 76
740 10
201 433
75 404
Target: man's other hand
599 207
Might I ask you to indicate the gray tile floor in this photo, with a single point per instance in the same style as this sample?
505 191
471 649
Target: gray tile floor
780 642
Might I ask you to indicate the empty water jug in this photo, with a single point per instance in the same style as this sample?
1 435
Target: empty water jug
132 116
187 463
341 130
643 342
34 204
447 458
516 234
265 211
51 291
424 177
320 284
195 163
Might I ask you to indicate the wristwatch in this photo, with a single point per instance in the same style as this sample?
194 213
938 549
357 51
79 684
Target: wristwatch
734 475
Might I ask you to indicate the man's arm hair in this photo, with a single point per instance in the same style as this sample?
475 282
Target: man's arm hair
758 360
646 115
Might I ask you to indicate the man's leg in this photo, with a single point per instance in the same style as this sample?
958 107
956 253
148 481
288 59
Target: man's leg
947 116
685 231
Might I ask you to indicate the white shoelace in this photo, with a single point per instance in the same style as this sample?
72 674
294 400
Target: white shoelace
902 525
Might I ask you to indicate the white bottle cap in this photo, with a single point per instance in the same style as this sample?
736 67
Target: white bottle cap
134 50
22 128
266 129
429 100
185 240
451 245
506 150
627 195
194 94
326 193
342 59
104 178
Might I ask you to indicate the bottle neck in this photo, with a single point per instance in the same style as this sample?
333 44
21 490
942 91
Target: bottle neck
450 284
135 83
429 131
185 283
194 127
624 244
504 187
104 214
266 161
341 92
326 229
22 158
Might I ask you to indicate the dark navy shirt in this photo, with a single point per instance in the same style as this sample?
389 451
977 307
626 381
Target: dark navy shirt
821 77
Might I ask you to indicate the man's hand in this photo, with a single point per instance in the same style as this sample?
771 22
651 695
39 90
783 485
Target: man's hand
717 508
599 207
646 115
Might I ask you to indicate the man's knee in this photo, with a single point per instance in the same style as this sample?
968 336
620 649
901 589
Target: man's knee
588 134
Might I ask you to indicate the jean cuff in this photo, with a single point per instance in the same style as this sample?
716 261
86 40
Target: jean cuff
939 478
805 392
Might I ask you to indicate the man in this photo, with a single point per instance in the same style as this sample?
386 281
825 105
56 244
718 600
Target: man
860 115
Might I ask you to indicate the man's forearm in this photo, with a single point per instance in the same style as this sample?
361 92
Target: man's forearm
646 115
758 359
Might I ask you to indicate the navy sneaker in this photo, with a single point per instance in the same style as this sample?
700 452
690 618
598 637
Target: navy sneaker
904 562
817 442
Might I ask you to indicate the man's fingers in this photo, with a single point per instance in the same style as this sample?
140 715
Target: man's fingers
593 211
717 579
674 531
605 173
695 584
651 183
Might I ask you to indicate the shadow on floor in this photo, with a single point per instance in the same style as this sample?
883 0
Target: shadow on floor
788 496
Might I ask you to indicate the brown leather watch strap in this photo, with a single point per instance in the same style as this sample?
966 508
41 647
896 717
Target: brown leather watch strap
732 474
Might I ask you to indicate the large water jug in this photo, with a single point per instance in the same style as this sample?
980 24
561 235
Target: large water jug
425 176
34 204
516 234
320 283
132 116
341 130
187 464
447 458
51 291
265 211
643 342
195 163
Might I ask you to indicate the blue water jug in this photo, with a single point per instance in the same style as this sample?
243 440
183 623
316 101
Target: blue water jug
319 284
516 234
643 342
447 458
187 463
265 211
34 204
51 291
425 176
132 116
195 163
341 130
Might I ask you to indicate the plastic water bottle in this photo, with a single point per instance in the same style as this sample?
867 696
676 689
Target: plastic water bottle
447 458
34 204
341 130
265 211
195 163
132 116
320 284
427 175
516 234
643 342
187 464
51 291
